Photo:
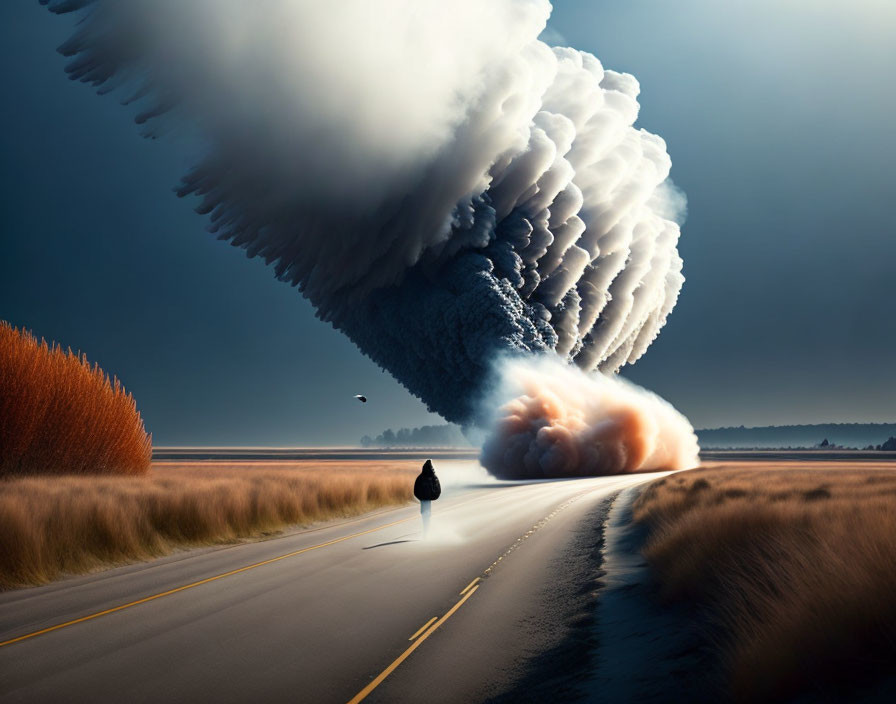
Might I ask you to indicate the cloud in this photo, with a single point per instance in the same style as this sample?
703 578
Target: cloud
443 186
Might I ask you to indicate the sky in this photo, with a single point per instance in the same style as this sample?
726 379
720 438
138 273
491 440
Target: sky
778 118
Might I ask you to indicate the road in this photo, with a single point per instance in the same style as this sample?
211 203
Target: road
346 611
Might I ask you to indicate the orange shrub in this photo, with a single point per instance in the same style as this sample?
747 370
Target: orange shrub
60 415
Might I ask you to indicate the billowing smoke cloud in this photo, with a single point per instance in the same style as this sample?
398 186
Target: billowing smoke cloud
441 185
563 422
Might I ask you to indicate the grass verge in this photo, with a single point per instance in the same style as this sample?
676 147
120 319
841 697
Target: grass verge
51 526
795 569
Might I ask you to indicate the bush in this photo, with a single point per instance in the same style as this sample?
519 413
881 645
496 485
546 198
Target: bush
61 415
793 568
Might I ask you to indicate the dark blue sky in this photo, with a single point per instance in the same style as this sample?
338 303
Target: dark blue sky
780 126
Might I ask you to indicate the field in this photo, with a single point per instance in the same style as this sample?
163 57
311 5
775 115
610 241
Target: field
52 526
792 565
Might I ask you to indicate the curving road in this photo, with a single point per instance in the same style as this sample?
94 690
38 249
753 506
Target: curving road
350 610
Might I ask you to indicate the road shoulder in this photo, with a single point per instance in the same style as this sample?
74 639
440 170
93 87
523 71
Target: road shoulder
647 651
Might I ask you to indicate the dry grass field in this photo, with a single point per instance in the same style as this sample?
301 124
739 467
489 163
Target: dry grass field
794 565
61 415
52 526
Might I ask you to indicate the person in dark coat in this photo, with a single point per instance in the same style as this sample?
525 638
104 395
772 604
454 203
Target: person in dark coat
427 489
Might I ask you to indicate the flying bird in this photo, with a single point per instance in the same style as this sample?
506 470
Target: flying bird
362 399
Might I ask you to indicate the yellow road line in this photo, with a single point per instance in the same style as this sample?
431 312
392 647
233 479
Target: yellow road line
469 585
468 591
422 628
401 658
153 597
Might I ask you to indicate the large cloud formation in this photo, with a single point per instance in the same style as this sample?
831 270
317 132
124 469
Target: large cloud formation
440 184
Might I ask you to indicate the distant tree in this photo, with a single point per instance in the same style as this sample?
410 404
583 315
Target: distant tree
889 445
839 435
824 443
427 436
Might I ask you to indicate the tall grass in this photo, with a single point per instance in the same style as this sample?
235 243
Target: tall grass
65 525
60 414
796 568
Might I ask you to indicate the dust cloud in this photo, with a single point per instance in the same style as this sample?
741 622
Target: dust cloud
563 422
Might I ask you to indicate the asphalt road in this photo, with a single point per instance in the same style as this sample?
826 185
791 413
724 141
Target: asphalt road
362 608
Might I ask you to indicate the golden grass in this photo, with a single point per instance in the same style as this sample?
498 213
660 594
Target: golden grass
64 525
60 415
796 567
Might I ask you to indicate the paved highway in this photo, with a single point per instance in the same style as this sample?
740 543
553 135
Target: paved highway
347 611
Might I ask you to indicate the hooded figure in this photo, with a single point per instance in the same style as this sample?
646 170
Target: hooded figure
427 489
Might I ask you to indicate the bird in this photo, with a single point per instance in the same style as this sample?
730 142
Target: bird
362 399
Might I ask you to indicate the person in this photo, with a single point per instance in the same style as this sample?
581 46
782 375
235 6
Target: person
427 489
